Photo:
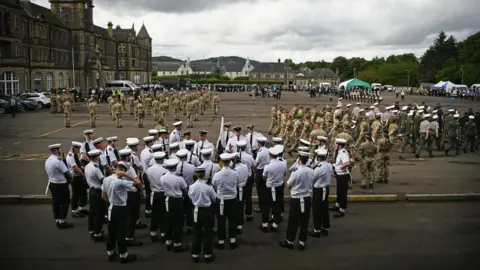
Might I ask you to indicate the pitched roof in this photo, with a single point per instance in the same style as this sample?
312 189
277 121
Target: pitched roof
234 67
199 66
40 12
270 68
168 67
323 73
102 32
143 33
121 35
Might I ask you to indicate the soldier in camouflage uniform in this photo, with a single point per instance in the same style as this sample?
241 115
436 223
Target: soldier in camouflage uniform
368 152
273 119
383 157
407 130
140 109
453 134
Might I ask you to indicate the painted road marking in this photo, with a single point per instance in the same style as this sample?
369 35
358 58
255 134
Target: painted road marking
17 143
24 157
60 129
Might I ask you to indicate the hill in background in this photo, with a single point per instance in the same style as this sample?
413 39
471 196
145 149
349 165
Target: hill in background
222 59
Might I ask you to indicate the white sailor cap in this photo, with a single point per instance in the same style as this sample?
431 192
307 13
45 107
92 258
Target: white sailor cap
303 148
177 123
359 103
349 105
451 110
321 152
112 139
421 107
206 152
339 106
435 116
280 148
395 111
378 114
340 98
88 131
410 113
427 115
277 139
189 142
97 141
125 152
274 151
340 141
148 139
241 143
200 169
303 153
322 138
77 144
372 107
159 155
94 152
389 107
375 104
169 163
381 98
435 111
367 114
174 145
54 146
262 139
132 141
152 132
124 165
419 111
227 156
404 108
361 110
156 146
304 142
471 117
182 153
456 115
162 131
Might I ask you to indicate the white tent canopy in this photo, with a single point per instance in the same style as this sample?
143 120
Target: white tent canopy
439 84
445 85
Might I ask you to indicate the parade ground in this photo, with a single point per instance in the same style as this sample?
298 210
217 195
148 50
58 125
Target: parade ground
371 236
24 140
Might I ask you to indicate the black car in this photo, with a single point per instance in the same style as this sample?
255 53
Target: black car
22 104
3 106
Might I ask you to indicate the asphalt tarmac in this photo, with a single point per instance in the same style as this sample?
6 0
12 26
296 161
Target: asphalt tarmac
24 141
371 236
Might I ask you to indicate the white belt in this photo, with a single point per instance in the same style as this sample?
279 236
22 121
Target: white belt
240 193
274 197
109 215
324 193
302 205
151 197
166 204
195 214
222 205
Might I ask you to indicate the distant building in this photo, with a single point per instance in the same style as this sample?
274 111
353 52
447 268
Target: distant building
275 71
60 47
308 77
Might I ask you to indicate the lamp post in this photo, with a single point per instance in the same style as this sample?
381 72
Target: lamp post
408 77
461 70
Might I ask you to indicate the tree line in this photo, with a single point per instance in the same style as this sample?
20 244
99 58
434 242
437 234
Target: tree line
446 59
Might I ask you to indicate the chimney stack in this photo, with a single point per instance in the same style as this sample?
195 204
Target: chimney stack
110 29
279 61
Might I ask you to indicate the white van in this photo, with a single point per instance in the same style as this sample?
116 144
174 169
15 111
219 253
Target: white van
376 86
123 85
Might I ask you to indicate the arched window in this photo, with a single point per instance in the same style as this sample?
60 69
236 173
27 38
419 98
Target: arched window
136 78
67 80
60 80
122 76
38 81
9 84
49 81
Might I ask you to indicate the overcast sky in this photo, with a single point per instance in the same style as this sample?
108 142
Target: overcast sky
302 30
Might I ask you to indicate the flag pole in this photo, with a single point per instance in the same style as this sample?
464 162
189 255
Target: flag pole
73 68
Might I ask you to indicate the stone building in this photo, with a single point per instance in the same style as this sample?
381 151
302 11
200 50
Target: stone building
276 71
60 47
316 77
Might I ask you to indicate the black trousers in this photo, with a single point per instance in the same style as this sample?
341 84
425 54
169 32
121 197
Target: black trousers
247 195
96 216
203 231
260 184
342 190
148 192
298 221
133 214
254 154
175 220
241 205
79 192
230 215
159 218
320 213
117 229
282 191
188 209
60 200
273 207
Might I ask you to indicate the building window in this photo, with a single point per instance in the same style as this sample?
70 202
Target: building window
49 81
263 75
121 63
67 80
136 78
254 76
122 48
38 81
9 84
122 76
282 75
60 80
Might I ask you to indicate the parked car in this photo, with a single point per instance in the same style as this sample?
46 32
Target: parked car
42 100
3 106
22 104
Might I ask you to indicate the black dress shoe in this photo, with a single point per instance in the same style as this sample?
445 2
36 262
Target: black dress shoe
133 243
169 247
140 226
154 238
249 218
314 234
189 231
65 225
263 229
239 231
234 245
285 244
339 214
385 181
130 258
148 215
210 259
370 186
219 246
334 208
324 232
273 229
364 186
256 210
195 259
84 211
98 239
112 257
77 215
181 248
302 247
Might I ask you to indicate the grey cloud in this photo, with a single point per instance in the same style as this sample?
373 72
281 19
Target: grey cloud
171 6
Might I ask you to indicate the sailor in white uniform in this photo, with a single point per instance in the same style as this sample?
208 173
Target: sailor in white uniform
157 199
225 136
59 178
242 171
186 138
94 175
321 186
176 135
263 157
211 168
192 158
249 161
155 148
163 140
79 185
252 142
87 146
145 157
172 150
203 143
154 133
232 142
342 175
187 171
